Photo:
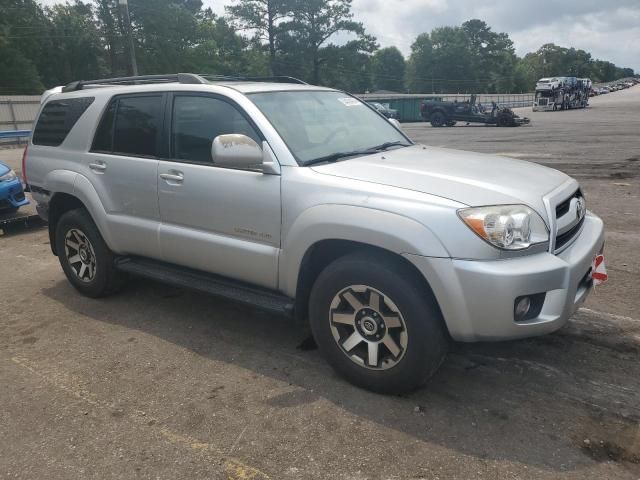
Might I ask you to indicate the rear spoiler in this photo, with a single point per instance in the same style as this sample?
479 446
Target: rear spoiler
48 93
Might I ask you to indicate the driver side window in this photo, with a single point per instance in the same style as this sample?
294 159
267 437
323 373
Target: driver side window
197 120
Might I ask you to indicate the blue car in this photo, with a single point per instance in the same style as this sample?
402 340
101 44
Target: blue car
11 192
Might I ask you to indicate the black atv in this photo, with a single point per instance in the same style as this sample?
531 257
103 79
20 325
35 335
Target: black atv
442 114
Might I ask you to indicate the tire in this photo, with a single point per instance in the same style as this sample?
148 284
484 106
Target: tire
438 119
84 256
504 121
363 299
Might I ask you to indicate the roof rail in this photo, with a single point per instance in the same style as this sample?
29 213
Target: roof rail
241 78
189 78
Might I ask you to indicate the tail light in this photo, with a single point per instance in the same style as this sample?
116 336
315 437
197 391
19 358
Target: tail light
24 166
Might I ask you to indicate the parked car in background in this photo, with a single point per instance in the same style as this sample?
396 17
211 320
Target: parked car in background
11 192
386 111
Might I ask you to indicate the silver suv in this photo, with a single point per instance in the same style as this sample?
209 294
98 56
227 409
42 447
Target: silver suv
306 201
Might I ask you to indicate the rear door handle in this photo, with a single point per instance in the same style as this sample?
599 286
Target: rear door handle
174 177
99 167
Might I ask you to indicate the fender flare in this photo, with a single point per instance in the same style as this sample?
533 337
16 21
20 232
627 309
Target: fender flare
389 231
78 186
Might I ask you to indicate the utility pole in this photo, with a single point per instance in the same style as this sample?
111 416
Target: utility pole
124 11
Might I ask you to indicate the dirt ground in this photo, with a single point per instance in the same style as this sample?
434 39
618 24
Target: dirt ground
163 383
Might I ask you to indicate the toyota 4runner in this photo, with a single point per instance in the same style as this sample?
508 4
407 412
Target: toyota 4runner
305 201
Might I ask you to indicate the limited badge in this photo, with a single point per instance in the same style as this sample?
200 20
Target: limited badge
598 270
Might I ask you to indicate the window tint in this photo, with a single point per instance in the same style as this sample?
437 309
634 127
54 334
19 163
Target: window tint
138 121
103 141
57 119
197 120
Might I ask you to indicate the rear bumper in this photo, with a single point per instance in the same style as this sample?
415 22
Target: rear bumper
12 195
477 297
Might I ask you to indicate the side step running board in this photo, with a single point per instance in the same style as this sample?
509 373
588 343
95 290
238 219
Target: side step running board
208 283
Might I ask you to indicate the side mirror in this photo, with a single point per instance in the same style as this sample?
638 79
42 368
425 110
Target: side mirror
236 151
395 123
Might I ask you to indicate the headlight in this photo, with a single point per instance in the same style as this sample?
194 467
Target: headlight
9 176
509 227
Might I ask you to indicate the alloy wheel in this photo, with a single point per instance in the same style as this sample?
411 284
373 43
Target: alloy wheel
368 327
80 255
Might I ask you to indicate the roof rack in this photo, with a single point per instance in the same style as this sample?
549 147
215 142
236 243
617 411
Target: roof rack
186 78
240 78
189 78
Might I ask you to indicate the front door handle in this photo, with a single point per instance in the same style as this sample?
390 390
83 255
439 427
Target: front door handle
174 177
98 167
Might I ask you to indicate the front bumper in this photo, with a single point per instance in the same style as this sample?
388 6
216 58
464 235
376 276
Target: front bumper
477 297
12 195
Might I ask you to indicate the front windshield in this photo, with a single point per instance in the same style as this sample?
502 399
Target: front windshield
316 124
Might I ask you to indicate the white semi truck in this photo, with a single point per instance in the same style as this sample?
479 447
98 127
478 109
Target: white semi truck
561 93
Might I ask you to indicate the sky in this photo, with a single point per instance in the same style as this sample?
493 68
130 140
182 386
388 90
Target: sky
608 29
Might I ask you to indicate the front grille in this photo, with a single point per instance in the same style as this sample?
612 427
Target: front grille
563 239
568 222
542 102
563 208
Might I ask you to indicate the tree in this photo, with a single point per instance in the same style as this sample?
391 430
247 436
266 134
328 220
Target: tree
77 52
262 17
24 34
420 67
347 67
492 57
220 50
388 69
314 22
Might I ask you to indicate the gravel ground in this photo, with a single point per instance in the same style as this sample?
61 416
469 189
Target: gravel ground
159 382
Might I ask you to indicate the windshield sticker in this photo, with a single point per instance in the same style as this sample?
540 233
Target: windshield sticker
350 102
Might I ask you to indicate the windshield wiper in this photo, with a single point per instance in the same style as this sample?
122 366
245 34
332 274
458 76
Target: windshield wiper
338 155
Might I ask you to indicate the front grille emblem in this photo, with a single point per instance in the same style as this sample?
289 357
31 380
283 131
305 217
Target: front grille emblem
581 208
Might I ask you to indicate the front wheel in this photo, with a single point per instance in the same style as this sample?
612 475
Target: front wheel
376 324
84 256
504 121
438 119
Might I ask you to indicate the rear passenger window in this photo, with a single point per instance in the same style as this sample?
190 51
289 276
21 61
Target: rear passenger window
197 120
138 121
58 118
103 141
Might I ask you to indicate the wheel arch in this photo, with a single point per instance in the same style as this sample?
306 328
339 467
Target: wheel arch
324 252
80 195
324 233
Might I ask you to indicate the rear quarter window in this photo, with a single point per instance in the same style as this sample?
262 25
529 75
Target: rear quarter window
57 119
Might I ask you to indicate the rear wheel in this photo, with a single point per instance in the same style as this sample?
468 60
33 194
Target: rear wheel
438 119
376 325
504 121
84 256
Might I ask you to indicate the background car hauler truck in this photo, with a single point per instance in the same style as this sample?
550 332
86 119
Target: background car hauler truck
561 93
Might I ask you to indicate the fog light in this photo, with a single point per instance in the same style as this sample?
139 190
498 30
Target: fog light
523 304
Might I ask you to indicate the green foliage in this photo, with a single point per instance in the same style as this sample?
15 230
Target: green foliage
41 47
310 25
388 70
260 17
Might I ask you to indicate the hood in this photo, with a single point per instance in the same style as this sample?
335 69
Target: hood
474 179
